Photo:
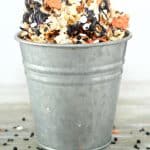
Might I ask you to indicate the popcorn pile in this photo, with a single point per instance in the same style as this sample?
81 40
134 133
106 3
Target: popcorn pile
72 22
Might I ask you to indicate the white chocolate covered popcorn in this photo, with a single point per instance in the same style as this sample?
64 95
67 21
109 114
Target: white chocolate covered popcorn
72 22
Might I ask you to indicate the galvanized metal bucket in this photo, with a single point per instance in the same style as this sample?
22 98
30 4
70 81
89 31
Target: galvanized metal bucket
74 91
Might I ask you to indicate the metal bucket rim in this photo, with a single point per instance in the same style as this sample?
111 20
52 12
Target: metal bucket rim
128 37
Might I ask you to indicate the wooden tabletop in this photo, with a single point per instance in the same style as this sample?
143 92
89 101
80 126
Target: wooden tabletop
131 117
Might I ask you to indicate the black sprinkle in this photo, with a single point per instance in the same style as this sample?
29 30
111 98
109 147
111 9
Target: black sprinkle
26 139
147 133
6 130
78 42
10 140
23 119
115 139
138 141
39 148
113 142
16 135
32 134
136 146
142 130
4 144
15 148
29 147
147 147
79 37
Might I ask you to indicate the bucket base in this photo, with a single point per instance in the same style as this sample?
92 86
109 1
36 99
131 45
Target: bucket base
98 148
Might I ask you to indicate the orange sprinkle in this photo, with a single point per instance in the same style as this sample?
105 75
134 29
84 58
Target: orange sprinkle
103 39
115 131
53 3
121 22
90 41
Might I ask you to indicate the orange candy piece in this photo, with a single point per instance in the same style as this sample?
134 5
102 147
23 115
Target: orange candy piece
90 41
115 131
121 22
53 3
103 39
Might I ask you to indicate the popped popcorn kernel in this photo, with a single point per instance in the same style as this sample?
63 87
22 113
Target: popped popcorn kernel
72 22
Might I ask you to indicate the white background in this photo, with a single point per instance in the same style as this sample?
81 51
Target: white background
137 67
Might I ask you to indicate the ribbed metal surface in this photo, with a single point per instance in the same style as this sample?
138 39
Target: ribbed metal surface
73 91
65 76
